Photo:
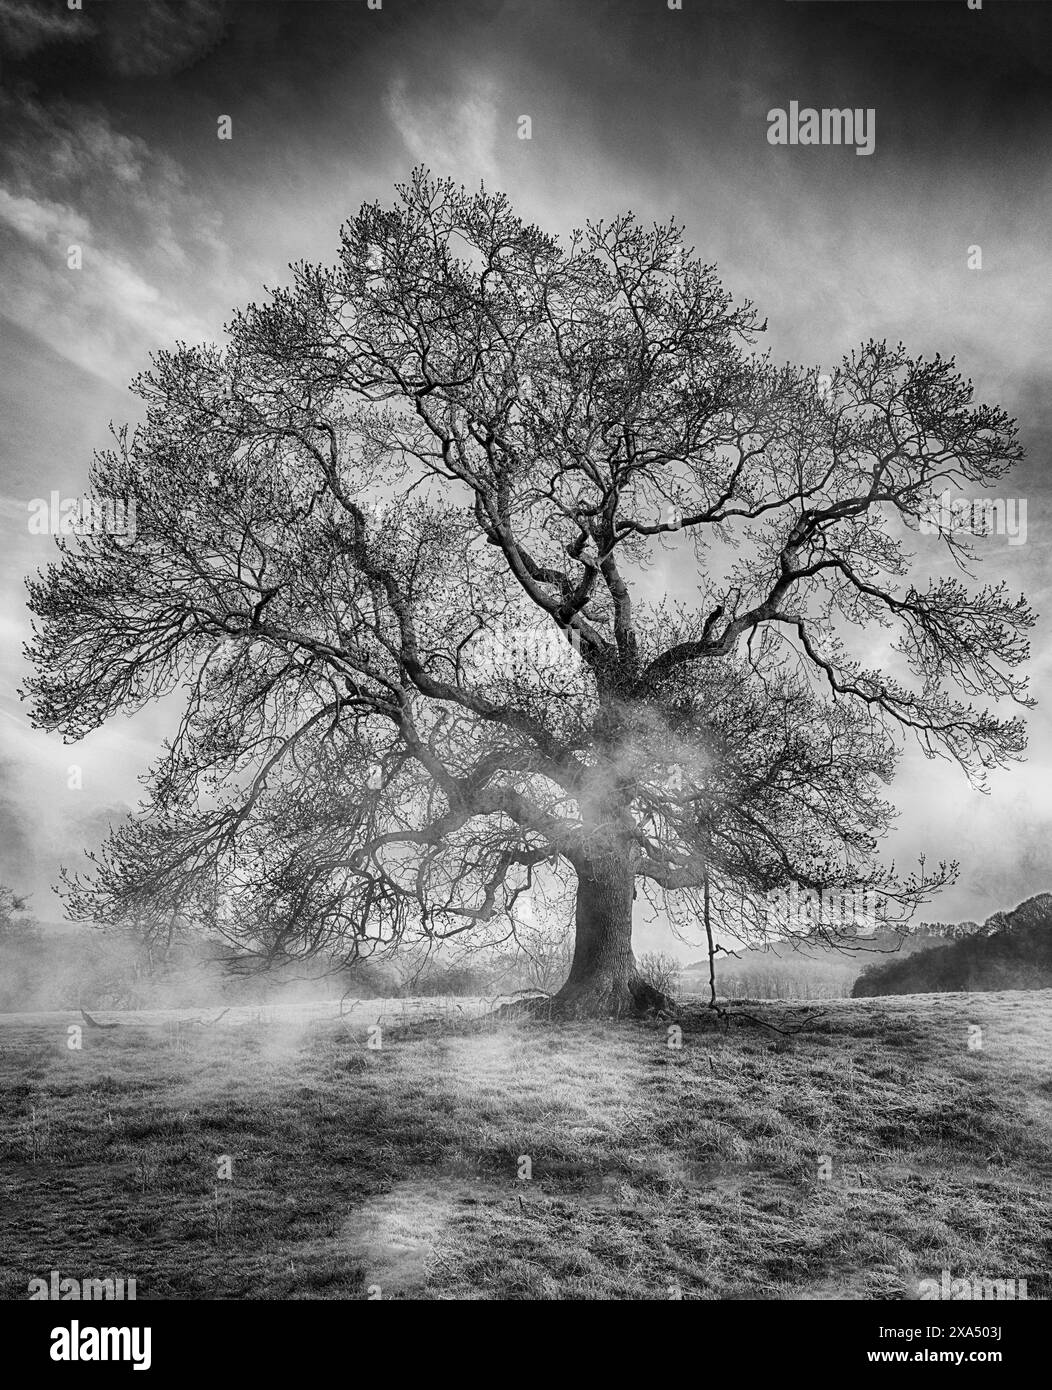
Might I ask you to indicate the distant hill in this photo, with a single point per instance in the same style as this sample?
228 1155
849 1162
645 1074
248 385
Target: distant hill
925 937
782 970
1013 950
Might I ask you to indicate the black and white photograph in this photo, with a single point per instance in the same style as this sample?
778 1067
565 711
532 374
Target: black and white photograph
525 758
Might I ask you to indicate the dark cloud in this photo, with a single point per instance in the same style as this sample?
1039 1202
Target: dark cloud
133 38
29 25
152 38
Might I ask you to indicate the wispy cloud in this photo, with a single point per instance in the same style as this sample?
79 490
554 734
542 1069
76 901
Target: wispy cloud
71 179
450 132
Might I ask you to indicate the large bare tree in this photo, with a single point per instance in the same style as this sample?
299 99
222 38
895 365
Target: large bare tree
481 561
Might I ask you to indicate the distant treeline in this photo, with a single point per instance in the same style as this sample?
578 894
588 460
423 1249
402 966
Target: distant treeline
1012 950
45 969
49 968
781 971
768 977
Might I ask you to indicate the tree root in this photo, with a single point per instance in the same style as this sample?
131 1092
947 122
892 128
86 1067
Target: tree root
637 999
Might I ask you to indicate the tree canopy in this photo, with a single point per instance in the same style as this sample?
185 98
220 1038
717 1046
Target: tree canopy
479 560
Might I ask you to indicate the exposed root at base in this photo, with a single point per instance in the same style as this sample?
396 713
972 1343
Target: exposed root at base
637 999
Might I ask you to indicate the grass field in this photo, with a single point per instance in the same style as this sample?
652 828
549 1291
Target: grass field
871 1150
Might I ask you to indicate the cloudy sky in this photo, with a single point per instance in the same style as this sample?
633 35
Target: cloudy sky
110 144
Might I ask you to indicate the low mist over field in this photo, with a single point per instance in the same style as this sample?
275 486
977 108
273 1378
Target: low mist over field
875 1148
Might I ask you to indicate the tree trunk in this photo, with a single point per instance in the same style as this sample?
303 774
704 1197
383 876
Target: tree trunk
603 980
